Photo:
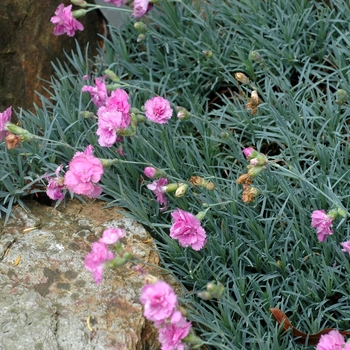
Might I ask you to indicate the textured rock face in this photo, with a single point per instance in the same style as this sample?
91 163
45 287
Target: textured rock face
27 47
48 300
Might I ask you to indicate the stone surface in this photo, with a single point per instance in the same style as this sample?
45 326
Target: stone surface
28 46
46 294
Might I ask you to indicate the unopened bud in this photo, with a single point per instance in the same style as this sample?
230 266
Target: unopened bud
141 37
342 212
242 78
183 113
216 290
127 256
79 13
111 75
141 27
171 187
207 53
80 3
87 114
204 295
224 135
150 279
201 215
255 56
342 97
181 190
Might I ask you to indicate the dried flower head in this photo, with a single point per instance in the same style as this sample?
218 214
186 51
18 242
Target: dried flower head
249 193
11 141
242 78
245 179
254 102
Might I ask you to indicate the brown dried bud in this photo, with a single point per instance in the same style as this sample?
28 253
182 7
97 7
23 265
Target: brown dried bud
245 179
254 102
12 140
199 181
242 78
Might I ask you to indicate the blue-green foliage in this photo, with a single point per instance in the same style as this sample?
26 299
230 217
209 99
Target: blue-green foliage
265 252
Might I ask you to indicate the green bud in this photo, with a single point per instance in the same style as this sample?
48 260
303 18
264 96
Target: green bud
204 295
87 114
207 53
201 215
171 187
141 27
181 190
342 213
80 3
333 213
342 97
255 56
141 37
134 110
111 75
224 135
127 256
79 13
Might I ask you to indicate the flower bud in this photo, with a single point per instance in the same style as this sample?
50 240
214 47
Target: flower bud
216 290
80 3
242 78
255 56
134 110
333 213
183 113
79 13
141 27
255 170
111 75
150 279
224 135
86 114
201 215
141 37
150 171
127 256
171 187
181 190
342 97
199 181
204 295
250 152
207 53
342 213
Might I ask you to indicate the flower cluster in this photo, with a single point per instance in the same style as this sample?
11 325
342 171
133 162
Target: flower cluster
95 261
161 307
332 341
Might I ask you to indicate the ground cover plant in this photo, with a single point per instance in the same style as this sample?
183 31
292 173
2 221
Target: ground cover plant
256 145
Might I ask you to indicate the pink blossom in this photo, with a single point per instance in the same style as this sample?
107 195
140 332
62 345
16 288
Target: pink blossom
113 117
98 93
171 335
158 188
158 110
112 235
65 22
95 260
56 185
141 7
5 118
187 229
159 301
84 172
346 246
323 223
248 152
150 171
331 341
117 3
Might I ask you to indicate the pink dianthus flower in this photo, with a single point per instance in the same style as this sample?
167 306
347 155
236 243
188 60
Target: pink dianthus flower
65 22
117 3
112 235
248 152
84 172
98 93
141 7
331 341
159 301
158 110
95 260
5 118
113 117
346 246
187 230
56 185
323 223
171 335
158 188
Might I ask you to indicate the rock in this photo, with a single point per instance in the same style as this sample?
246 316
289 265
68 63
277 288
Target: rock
28 47
48 300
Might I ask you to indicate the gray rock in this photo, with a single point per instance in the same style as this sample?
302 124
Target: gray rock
48 300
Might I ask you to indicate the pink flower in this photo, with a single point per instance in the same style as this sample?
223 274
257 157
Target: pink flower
323 223
158 110
171 335
346 246
187 230
113 117
95 260
5 118
150 171
141 7
56 186
331 341
158 188
65 22
98 93
248 152
159 301
112 235
84 171
117 3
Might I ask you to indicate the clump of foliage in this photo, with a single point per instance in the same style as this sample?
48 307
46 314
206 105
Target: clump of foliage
295 56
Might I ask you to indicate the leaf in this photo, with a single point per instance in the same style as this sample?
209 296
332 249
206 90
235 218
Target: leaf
302 337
